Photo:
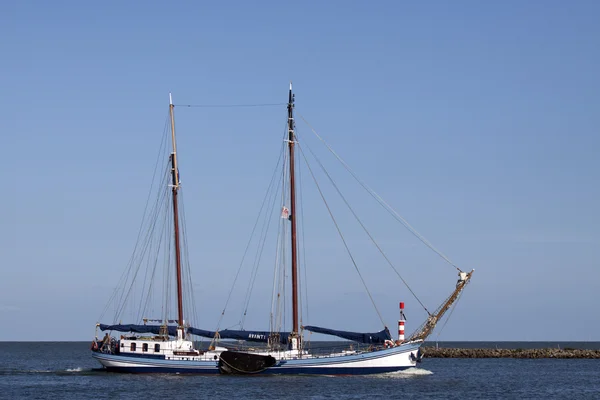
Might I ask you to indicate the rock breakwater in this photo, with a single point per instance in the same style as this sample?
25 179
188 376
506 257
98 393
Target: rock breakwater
432 352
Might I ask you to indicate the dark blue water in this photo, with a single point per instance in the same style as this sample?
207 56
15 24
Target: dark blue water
66 371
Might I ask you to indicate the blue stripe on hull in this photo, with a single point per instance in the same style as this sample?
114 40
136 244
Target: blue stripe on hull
270 371
164 370
331 370
140 356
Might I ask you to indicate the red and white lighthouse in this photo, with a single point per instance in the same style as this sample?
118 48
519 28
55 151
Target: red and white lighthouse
401 322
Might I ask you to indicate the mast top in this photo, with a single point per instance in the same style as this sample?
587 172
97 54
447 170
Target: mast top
290 85
171 99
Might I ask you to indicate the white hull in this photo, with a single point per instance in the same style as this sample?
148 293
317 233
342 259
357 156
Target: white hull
388 360
137 364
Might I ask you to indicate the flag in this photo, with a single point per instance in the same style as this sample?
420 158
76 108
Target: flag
285 212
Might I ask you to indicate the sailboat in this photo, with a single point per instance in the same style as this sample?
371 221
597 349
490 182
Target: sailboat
287 352
167 346
162 345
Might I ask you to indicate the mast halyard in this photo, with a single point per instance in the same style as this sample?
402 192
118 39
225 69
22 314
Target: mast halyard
295 337
175 188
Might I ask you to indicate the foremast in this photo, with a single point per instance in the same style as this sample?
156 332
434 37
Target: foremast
295 339
175 189
425 330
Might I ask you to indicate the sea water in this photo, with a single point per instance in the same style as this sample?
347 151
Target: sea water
65 370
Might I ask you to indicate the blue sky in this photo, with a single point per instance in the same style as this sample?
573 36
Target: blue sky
478 121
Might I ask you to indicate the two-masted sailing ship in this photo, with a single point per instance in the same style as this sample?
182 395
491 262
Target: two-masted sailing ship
167 346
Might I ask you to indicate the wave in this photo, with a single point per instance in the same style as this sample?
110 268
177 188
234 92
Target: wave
408 373
14 371
416 371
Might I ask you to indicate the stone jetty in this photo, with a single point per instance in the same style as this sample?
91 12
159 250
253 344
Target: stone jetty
432 352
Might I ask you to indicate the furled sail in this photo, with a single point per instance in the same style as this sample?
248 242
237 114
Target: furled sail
138 328
200 332
369 338
251 336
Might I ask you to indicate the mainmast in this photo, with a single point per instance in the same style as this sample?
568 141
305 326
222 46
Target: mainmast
295 338
175 188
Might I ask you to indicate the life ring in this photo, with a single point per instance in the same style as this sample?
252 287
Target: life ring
388 344
94 346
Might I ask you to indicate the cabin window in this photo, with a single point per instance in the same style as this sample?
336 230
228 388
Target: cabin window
122 345
132 347
145 347
156 348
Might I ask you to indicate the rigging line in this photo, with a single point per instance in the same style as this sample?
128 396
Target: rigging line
381 201
137 258
285 239
279 267
273 290
141 310
365 229
261 243
160 151
151 285
259 251
171 265
341 236
188 299
160 240
229 105
150 239
165 235
277 279
249 241
141 262
305 282
191 300
185 265
280 227
123 299
168 235
258 255
279 271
